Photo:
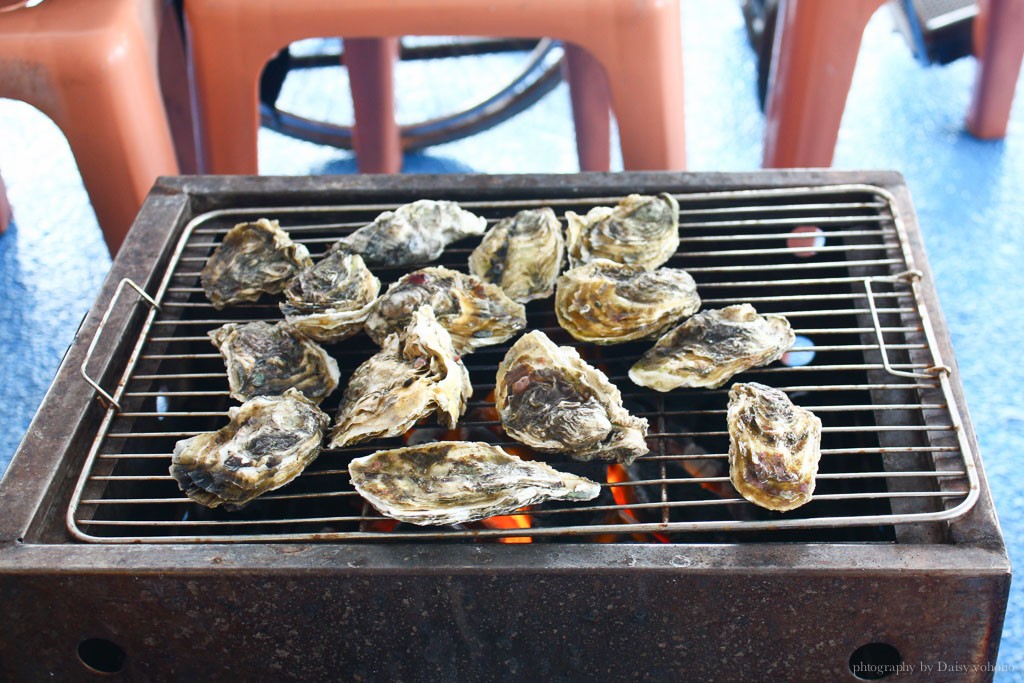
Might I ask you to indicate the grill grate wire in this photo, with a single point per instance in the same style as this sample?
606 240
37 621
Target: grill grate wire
835 260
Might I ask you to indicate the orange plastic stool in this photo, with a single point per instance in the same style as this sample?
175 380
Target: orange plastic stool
92 68
635 43
816 46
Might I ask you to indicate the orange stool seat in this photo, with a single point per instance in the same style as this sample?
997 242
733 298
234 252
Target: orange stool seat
92 68
816 45
628 48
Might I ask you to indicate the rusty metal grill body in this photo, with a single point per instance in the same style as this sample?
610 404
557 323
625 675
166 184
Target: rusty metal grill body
900 544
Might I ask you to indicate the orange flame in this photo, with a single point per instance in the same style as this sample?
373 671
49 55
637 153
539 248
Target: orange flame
625 495
510 522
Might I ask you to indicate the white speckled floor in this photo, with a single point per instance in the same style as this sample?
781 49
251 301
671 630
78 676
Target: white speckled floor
969 197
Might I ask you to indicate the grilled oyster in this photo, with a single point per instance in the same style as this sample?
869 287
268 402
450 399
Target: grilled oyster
253 258
412 234
475 313
551 400
265 360
711 347
330 301
269 441
458 481
610 303
641 231
774 447
414 374
521 254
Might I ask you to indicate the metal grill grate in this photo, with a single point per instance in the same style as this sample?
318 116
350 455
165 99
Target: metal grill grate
835 260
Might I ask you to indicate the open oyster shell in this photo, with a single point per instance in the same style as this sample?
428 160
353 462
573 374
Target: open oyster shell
331 301
610 303
452 482
253 258
774 447
712 346
414 374
551 400
521 254
641 231
269 441
412 234
475 313
265 360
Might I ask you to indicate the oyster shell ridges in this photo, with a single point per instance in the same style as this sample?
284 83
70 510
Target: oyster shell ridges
414 374
550 399
269 441
452 482
331 300
412 234
711 347
474 312
253 258
774 447
642 231
610 303
522 254
264 359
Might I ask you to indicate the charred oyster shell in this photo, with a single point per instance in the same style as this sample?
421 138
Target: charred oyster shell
475 313
641 231
253 258
521 254
331 301
266 360
551 400
610 303
452 482
269 441
412 234
774 447
711 347
414 374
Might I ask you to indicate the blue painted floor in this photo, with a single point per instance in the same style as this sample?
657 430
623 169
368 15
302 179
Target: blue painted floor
969 197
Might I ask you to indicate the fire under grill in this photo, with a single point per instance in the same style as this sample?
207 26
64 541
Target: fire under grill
666 576
834 259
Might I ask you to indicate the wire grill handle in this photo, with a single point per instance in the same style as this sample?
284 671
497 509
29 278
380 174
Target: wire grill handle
910 277
99 331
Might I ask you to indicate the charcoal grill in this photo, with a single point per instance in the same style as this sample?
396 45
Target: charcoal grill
898 560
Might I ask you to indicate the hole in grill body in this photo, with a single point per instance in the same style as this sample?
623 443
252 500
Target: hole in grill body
889 449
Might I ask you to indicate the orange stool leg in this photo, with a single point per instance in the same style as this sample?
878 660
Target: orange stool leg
371 74
225 66
121 141
91 69
173 72
816 45
591 108
6 215
1001 42
644 66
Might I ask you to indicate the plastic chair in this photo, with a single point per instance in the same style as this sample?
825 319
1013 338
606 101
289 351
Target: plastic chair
816 45
629 48
92 68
